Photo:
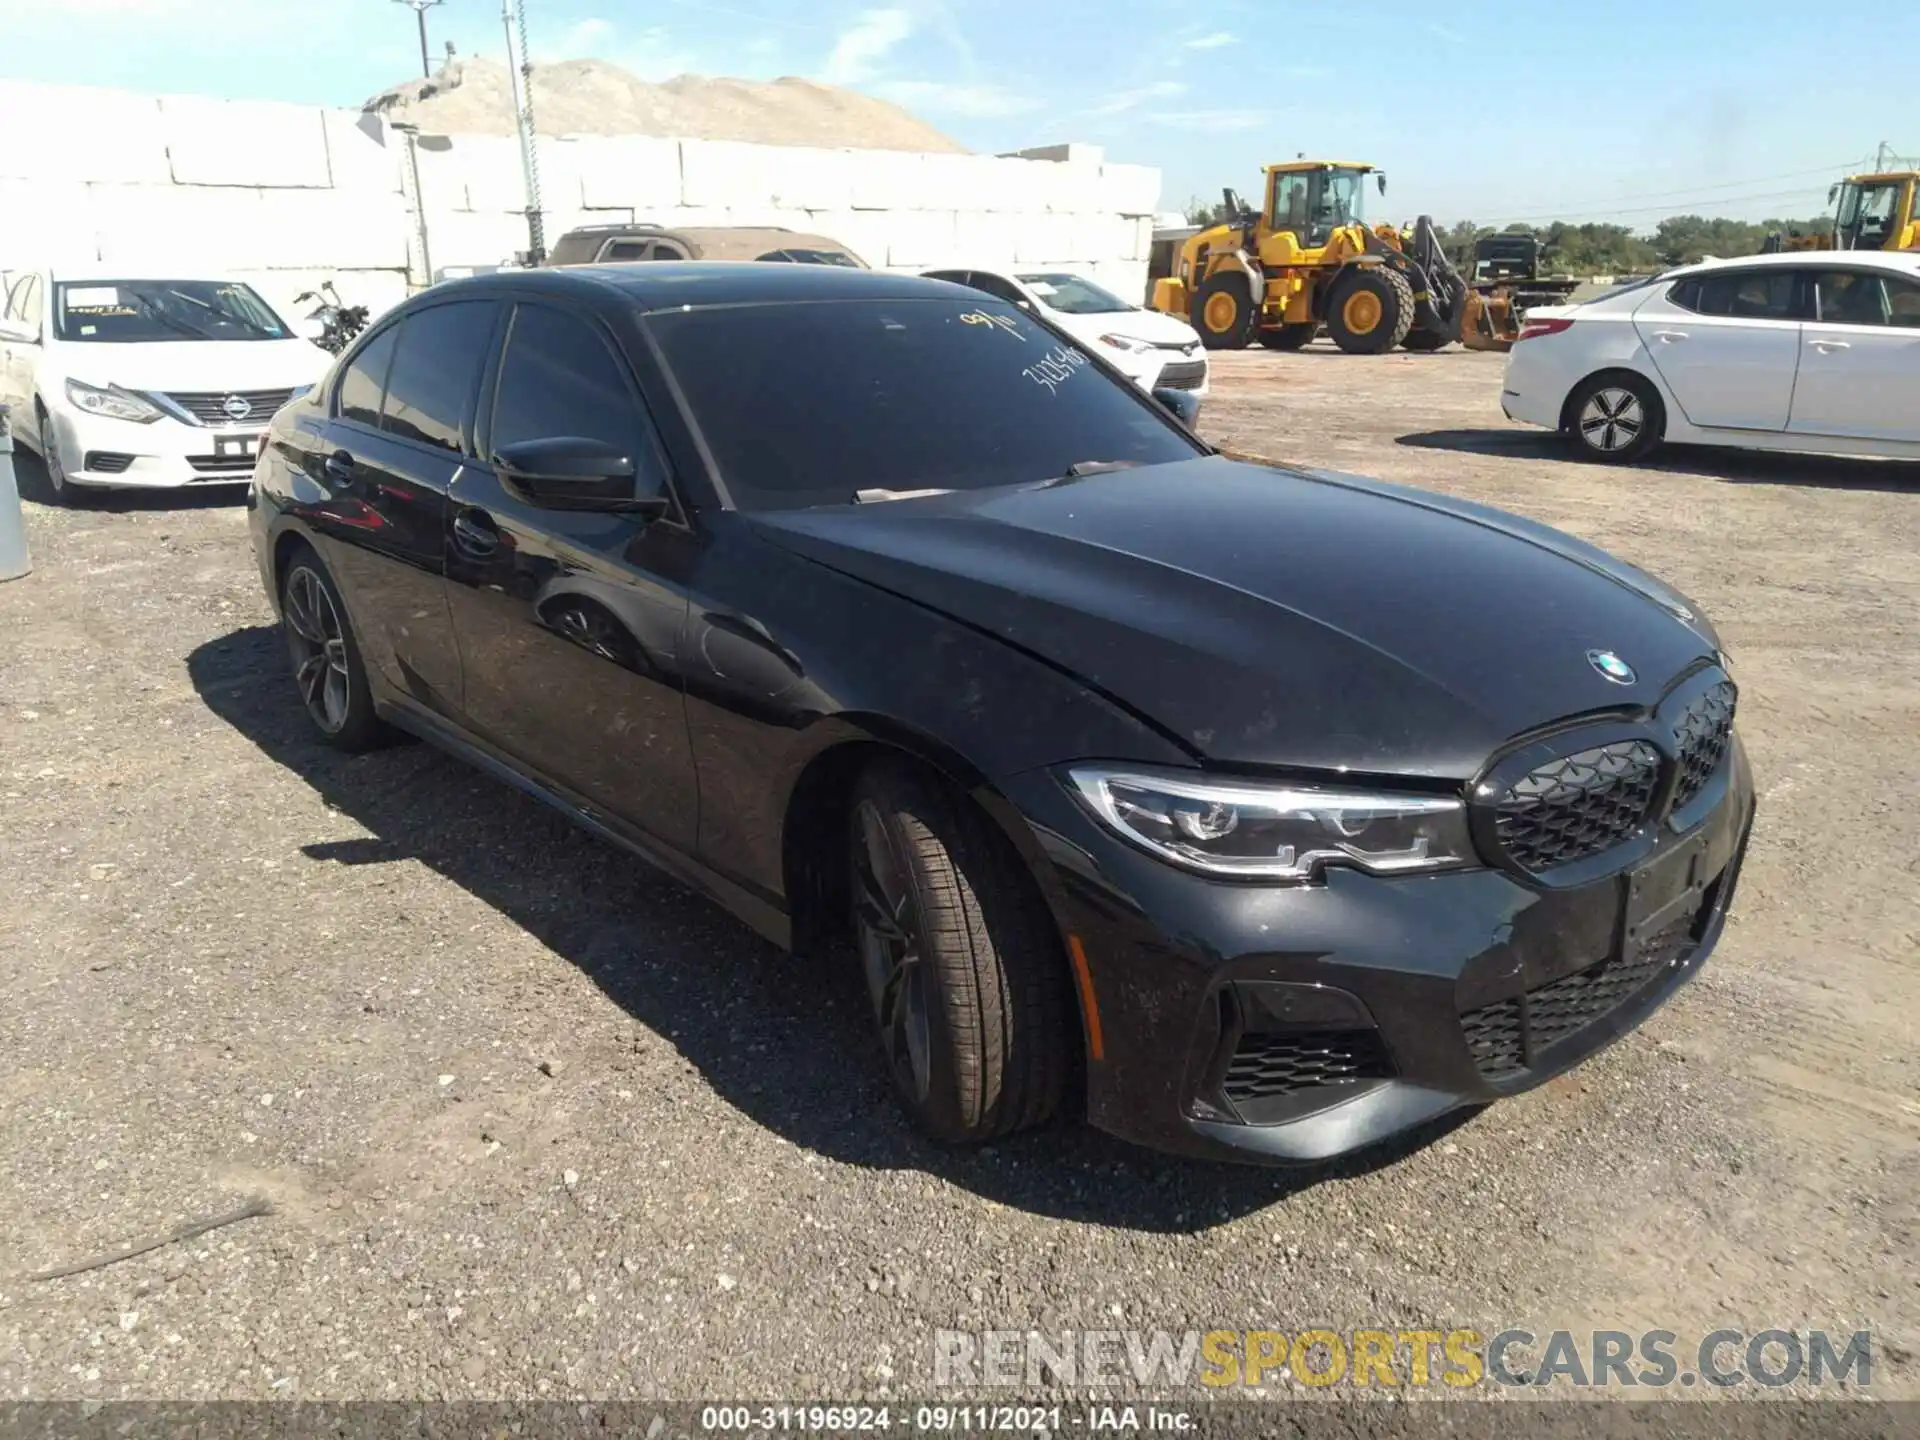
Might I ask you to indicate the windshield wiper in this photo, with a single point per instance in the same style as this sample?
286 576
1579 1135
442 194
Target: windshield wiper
875 496
1080 469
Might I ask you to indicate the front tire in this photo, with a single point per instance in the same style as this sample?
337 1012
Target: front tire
327 670
1225 311
961 960
1615 418
1370 310
63 491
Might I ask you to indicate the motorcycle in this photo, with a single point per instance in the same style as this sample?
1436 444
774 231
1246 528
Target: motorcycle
340 322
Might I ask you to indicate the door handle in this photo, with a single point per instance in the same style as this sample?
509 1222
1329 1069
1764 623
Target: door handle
339 468
1825 346
475 532
1669 335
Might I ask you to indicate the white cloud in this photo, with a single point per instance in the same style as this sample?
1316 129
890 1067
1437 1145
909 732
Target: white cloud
975 102
579 41
1214 41
1210 121
1122 101
859 48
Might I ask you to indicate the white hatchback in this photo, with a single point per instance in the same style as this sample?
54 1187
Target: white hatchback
1155 351
1814 352
126 382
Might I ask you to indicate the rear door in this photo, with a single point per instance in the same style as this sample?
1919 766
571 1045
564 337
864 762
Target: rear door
570 622
1727 344
398 435
1860 357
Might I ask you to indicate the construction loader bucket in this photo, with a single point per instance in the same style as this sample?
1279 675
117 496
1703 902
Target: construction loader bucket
1490 323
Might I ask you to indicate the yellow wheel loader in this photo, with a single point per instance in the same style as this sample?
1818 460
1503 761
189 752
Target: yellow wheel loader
1871 212
1305 260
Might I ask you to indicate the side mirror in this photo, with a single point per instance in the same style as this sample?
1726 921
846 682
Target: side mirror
572 472
1380 179
1833 192
1183 405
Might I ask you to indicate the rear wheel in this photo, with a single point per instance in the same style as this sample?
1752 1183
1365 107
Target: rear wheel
1288 337
327 669
1616 417
960 958
1370 310
1224 312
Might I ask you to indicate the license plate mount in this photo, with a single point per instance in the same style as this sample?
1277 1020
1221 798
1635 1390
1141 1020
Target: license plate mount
1658 894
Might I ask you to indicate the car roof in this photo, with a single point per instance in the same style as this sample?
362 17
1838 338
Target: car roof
1900 262
710 282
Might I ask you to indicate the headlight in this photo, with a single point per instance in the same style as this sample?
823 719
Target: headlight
112 402
1122 342
1276 832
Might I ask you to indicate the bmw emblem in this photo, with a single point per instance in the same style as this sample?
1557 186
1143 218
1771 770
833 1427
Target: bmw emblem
1611 666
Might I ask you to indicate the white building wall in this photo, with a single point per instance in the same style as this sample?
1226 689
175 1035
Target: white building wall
287 195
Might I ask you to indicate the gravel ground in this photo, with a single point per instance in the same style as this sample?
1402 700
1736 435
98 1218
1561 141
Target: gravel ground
536 1122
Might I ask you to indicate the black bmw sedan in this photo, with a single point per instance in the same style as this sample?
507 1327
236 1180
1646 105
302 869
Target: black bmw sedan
1264 812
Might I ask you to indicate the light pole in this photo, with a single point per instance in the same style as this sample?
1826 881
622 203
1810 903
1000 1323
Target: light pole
420 8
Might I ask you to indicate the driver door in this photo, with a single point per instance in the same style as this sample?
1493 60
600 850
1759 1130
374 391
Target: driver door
569 622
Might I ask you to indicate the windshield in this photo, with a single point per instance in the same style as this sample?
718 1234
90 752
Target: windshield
1867 213
141 311
1344 202
898 395
1071 295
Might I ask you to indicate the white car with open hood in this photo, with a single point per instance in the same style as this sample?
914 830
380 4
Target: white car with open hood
1155 351
145 382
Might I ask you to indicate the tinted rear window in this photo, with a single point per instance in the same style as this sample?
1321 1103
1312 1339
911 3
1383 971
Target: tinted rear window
803 404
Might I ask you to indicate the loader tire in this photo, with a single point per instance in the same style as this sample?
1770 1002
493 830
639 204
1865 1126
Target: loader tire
1426 340
1288 337
1225 312
1370 310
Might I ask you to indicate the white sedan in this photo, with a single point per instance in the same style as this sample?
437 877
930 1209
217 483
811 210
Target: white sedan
1814 352
151 383
1155 351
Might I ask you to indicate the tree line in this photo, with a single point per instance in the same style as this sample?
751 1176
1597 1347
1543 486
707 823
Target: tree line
1597 249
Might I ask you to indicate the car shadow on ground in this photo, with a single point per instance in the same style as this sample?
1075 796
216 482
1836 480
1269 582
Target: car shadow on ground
1736 467
785 1041
30 475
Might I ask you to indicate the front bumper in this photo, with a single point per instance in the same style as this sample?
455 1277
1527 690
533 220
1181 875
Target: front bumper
163 455
1277 1024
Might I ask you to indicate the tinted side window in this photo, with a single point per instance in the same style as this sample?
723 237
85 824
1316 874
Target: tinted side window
365 380
435 372
1854 297
1000 290
625 250
560 378
1740 295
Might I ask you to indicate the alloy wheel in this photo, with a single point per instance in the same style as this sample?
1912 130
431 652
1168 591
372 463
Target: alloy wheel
887 925
1612 419
317 641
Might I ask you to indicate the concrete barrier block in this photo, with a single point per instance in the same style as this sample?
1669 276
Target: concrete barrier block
804 178
1140 245
726 173
244 142
917 239
195 229
629 170
1045 240
1125 278
1074 189
1130 189
45 221
1019 185
72 133
326 228
862 231
467 239
892 180
362 153
562 167
987 239
471 172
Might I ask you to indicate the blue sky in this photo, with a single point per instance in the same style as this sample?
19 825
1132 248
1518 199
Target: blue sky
1494 111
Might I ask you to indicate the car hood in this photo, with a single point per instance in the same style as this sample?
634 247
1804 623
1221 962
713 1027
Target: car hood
1148 325
196 365
1264 616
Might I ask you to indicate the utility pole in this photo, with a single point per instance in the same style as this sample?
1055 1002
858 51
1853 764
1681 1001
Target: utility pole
420 8
520 70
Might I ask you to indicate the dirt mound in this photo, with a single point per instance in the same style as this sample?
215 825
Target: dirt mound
591 97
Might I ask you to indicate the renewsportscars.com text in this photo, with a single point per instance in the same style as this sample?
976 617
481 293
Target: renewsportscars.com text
1456 1358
